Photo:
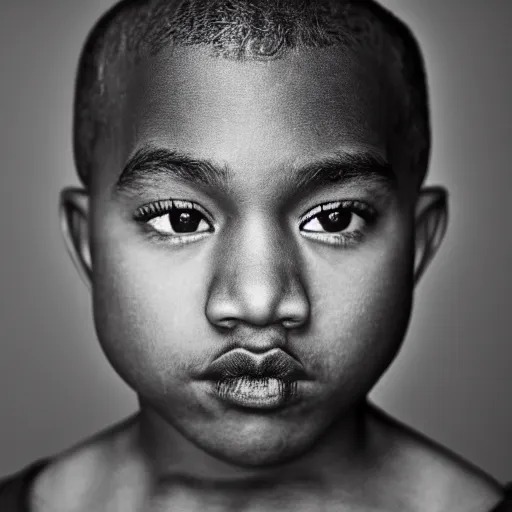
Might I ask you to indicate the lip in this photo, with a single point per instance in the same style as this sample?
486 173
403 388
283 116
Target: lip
256 393
258 381
240 362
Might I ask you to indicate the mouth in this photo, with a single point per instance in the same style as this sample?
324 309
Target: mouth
256 381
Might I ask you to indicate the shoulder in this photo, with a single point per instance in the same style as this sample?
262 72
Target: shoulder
81 477
433 477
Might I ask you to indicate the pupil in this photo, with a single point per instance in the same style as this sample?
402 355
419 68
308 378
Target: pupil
334 221
184 221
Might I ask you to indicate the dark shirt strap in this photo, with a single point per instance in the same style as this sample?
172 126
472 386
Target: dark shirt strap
15 490
506 504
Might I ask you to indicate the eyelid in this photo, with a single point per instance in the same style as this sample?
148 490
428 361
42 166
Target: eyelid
359 207
163 206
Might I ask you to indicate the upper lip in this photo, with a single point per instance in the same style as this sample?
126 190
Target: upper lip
240 362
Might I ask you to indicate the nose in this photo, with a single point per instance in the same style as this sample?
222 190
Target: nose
257 281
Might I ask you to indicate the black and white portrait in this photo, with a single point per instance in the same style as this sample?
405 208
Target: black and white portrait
255 255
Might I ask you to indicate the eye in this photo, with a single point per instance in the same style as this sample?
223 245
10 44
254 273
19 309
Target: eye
337 223
177 220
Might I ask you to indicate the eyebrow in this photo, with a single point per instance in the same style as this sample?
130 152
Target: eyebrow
357 167
151 163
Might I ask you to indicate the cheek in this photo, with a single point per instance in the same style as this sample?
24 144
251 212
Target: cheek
362 306
148 305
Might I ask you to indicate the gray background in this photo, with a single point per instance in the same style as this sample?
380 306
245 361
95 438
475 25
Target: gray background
452 379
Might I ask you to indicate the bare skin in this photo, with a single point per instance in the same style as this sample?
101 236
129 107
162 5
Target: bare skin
413 475
262 275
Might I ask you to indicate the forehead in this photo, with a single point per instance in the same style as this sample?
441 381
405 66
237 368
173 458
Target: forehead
256 114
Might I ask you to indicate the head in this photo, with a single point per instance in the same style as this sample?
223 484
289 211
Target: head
253 184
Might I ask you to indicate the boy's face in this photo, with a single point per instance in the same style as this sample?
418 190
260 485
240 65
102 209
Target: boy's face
247 259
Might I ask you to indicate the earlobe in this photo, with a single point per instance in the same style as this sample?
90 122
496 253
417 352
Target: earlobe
430 226
74 222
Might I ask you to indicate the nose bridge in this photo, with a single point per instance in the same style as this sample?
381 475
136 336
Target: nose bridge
261 256
260 264
257 279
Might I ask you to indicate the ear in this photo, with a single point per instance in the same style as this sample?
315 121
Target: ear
74 223
431 223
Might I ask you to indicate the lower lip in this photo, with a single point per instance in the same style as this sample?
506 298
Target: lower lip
256 393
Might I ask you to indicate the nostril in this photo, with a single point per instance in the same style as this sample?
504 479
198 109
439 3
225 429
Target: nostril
226 323
292 323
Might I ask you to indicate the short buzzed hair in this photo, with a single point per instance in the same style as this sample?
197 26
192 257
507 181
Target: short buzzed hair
242 30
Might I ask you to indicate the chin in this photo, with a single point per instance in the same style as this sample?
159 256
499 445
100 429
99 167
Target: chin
258 443
255 454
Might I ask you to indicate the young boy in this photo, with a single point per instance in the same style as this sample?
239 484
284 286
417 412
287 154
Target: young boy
252 225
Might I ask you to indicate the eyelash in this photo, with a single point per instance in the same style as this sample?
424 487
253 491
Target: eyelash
159 208
164 206
360 208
